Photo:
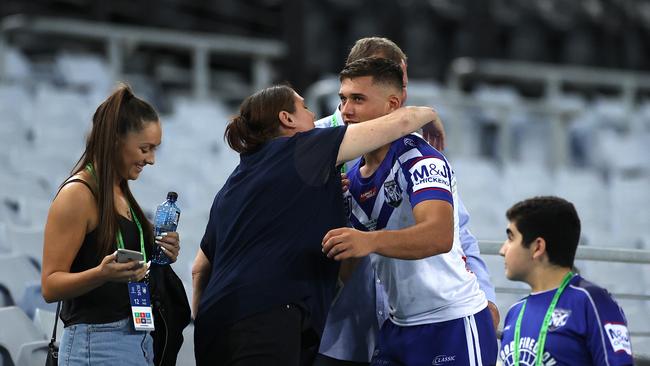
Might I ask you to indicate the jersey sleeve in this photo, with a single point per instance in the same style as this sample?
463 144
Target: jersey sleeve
427 174
608 337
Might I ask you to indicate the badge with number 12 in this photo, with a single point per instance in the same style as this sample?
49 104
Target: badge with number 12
141 306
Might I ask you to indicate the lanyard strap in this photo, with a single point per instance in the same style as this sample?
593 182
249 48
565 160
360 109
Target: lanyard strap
119 238
120 241
541 339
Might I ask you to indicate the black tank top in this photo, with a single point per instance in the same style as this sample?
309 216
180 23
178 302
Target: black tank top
109 302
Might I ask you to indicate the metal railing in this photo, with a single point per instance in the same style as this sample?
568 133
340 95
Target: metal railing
118 37
456 103
553 78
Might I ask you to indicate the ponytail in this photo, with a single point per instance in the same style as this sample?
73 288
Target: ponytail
235 132
122 112
258 120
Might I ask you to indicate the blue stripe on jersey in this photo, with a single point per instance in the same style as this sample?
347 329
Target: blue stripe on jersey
384 215
357 224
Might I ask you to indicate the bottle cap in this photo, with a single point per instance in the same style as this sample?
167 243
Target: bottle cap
172 196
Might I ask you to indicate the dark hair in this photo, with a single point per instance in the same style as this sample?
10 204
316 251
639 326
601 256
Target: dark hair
383 71
376 46
553 219
121 113
258 119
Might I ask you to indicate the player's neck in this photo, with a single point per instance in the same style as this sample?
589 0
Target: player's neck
547 278
373 159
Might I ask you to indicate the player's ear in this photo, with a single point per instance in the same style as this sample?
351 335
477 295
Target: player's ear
394 102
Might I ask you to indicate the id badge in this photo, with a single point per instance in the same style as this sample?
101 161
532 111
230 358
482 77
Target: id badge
141 306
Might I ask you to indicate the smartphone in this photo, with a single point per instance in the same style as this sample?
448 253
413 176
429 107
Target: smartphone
125 255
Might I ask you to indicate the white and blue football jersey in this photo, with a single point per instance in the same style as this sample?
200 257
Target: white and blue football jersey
587 328
429 290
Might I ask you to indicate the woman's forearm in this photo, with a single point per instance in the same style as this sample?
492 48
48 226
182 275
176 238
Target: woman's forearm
62 285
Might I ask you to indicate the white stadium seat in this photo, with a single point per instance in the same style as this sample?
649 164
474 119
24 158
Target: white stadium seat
20 336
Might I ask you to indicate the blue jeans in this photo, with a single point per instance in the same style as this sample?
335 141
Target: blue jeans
110 344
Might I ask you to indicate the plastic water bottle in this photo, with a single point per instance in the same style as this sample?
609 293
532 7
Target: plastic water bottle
165 221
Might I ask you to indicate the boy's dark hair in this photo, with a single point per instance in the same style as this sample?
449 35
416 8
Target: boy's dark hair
553 219
382 70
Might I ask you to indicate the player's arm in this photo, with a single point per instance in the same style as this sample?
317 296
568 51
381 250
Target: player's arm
432 234
361 138
201 269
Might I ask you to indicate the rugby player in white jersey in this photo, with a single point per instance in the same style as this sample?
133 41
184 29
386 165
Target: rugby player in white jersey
402 204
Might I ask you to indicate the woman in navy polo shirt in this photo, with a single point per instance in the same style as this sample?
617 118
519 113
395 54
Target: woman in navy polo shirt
262 286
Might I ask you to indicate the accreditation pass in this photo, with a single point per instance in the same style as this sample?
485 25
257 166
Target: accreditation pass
141 306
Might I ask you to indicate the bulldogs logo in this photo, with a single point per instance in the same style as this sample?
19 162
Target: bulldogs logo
393 193
559 318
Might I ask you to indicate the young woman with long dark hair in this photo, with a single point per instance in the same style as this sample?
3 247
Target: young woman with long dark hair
92 215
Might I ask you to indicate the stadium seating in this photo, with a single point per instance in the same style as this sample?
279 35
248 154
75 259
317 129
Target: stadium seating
44 321
21 338
27 240
16 270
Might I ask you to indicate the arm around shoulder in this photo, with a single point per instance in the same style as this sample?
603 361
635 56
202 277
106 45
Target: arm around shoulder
364 137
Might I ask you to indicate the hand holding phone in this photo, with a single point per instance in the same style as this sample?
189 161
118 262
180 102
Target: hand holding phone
126 255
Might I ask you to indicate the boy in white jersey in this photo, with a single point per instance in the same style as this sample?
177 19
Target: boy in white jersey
566 320
401 203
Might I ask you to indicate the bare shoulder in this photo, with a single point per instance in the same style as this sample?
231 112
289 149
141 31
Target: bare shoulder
75 202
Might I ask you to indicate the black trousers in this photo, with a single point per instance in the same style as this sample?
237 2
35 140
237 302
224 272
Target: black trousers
282 336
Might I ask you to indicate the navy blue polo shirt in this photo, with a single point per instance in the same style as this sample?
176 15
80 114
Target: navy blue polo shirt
263 238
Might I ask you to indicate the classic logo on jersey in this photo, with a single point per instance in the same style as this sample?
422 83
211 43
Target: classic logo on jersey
442 359
527 353
430 173
393 193
618 337
559 319
368 194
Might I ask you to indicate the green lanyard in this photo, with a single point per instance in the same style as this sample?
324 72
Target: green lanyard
335 121
541 339
120 240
